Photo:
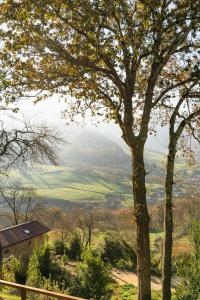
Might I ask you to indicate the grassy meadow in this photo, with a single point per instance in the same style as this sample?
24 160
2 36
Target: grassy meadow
94 184
64 183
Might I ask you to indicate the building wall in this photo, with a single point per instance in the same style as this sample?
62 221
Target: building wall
24 249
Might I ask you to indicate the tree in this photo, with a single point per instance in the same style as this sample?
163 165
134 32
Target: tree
93 278
185 116
118 253
34 207
28 143
156 213
59 247
19 270
186 209
75 248
86 222
20 203
124 232
39 265
43 271
54 217
12 202
114 58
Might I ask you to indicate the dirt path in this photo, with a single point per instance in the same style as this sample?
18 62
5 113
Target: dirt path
123 277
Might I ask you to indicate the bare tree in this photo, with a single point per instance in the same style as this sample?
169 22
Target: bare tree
12 202
20 204
29 143
86 221
64 222
33 205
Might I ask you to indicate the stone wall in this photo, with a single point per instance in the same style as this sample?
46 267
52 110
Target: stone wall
24 249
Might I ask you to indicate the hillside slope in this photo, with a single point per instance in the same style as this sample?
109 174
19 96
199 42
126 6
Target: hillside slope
96 171
86 146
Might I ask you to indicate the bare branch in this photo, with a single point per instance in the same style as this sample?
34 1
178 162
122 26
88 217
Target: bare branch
29 144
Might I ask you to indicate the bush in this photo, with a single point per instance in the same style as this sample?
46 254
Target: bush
124 264
41 267
65 260
17 270
127 292
117 253
113 251
156 264
93 278
74 251
59 247
189 270
44 261
20 273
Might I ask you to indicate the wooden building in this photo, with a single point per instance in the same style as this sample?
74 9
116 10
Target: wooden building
20 240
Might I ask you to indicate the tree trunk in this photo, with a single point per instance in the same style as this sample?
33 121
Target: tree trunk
142 220
168 224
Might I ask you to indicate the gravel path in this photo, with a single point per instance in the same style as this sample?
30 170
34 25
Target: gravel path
123 277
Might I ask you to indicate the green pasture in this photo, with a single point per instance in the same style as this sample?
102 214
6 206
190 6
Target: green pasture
95 184
65 183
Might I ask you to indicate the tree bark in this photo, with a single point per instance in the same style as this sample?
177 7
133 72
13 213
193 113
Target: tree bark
168 223
142 220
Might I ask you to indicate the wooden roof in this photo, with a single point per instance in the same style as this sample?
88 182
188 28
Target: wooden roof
19 233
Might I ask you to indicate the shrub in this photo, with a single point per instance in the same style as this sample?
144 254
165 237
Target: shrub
124 264
42 266
16 270
75 248
44 261
59 247
113 251
156 263
34 272
65 259
93 278
20 273
189 270
117 253
127 292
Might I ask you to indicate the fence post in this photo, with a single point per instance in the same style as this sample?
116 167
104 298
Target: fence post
23 294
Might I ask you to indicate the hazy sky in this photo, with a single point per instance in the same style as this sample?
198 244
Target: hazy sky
49 112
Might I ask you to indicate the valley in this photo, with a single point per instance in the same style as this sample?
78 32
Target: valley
81 180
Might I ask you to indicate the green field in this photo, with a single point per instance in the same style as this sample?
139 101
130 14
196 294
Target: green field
65 183
96 184
92 184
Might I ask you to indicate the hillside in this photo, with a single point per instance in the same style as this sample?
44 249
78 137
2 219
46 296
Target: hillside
97 171
78 186
87 146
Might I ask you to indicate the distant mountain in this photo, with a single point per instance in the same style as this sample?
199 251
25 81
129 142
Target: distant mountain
87 146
